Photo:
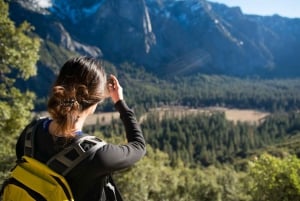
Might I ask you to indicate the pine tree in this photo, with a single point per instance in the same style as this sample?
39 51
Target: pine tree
18 56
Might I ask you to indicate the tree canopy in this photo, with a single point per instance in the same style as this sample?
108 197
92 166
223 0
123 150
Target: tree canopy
19 52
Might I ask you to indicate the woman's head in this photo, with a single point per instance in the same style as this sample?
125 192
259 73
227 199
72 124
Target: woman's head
80 84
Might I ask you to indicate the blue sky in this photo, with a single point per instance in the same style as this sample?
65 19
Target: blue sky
287 8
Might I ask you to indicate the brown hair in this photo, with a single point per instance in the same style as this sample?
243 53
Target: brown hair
80 84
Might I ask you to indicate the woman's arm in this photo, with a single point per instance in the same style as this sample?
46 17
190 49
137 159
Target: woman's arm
116 157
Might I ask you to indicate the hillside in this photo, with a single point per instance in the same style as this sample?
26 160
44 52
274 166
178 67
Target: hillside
169 38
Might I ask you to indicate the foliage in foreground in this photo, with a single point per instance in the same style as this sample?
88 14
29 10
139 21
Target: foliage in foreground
266 178
153 179
18 56
275 179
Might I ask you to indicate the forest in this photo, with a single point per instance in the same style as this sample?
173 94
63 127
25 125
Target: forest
206 157
211 139
195 157
147 91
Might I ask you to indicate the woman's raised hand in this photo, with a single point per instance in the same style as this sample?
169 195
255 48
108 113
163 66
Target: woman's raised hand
114 89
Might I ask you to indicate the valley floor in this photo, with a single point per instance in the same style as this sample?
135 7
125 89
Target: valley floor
235 115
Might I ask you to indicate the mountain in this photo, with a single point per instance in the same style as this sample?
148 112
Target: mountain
169 37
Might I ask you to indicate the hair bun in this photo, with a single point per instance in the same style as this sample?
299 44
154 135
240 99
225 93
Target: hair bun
82 93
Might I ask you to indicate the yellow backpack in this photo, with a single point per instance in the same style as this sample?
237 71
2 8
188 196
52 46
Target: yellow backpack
31 180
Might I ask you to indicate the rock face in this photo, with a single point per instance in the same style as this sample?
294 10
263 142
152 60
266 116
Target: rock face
170 37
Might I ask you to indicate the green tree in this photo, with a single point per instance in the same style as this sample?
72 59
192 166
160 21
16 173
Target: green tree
275 179
154 179
18 56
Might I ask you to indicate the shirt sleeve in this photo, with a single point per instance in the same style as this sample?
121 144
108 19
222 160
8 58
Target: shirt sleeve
115 157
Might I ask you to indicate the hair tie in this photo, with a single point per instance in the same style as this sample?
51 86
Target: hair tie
68 102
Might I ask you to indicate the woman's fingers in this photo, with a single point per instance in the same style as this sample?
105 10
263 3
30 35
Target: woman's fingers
115 90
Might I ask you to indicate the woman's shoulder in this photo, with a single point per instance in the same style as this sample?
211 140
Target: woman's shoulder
38 122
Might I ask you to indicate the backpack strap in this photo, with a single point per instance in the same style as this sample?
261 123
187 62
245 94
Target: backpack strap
64 161
110 190
29 137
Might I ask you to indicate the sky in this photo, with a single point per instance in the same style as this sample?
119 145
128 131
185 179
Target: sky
286 8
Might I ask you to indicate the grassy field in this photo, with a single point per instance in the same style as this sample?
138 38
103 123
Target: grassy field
235 115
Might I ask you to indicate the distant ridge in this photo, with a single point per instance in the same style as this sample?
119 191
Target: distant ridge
170 38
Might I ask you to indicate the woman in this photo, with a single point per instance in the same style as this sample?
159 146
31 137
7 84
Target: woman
80 86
